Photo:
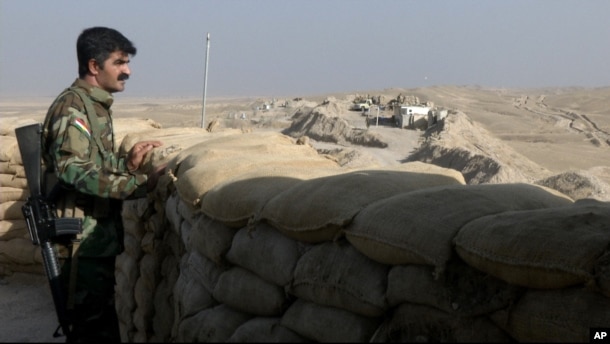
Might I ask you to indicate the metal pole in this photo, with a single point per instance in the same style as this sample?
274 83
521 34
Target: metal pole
205 79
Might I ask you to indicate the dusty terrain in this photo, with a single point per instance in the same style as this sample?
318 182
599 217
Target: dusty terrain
556 137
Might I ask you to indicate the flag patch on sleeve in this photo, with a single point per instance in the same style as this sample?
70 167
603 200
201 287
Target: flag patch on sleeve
82 127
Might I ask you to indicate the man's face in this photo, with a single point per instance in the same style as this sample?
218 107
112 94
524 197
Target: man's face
116 71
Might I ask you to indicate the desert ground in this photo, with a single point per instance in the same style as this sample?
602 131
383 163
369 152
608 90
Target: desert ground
559 135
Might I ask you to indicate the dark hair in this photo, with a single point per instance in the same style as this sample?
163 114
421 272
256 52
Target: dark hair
98 43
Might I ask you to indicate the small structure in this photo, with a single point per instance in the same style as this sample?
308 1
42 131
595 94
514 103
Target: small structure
411 117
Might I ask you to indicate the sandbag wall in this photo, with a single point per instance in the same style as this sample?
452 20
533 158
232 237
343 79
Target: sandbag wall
253 238
17 253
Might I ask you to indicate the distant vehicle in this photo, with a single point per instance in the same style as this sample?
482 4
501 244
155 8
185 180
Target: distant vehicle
362 105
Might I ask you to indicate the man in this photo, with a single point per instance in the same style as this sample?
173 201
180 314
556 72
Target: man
89 179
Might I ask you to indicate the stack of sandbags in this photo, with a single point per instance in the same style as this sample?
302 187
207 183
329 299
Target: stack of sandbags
561 255
233 250
17 253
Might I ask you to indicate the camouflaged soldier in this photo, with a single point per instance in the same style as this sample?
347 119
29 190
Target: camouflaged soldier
88 180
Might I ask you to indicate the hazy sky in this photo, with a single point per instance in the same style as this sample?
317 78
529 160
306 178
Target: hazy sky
309 47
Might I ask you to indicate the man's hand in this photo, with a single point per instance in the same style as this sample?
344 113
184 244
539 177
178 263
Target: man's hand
138 152
153 176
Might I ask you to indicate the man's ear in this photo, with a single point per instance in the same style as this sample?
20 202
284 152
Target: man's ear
93 67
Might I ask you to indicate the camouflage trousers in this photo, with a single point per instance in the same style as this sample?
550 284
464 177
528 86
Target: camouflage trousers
94 317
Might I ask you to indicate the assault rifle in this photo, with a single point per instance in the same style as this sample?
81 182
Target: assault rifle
41 218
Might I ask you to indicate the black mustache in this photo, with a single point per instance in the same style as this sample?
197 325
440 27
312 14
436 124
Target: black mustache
123 77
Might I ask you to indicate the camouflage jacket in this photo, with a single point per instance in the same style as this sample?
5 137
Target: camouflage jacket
89 165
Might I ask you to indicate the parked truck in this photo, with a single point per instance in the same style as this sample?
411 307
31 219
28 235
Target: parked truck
361 105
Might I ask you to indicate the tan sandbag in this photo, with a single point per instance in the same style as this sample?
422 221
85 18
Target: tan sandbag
10 123
266 252
148 274
264 330
19 251
560 316
185 137
134 227
124 315
174 140
135 209
10 180
11 210
12 168
316 210
462 290
215 161
10 229
418 227
324 324
142 315
187 211
545 248
214 325
156 224
211 238
191 297
8 194
335 274
244 291
202 270
239 199
163 318
128 266
171 212
410 323
132 246
8 147
124 126
215 140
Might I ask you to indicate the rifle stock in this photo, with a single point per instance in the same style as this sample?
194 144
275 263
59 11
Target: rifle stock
41 218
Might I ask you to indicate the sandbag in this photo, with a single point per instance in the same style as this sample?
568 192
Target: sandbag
163 318
12 168
316 210
418 227
11 180
8 148
191 297
335 274
199 268
560 315
462 290
10 123
545 248
215 161
240 198
244 291
8 194
173 141
328 324
211 238
264 330
10 229
19 251
266 252
214 325
124 126
411 323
